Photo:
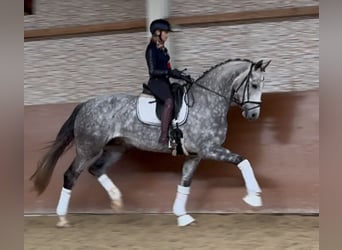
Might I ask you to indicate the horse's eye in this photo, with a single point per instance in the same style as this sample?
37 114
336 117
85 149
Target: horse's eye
254 86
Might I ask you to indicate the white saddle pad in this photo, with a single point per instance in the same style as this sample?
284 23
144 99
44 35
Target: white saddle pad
146 111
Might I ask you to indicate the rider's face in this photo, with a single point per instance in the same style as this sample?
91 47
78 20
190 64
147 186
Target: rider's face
164 35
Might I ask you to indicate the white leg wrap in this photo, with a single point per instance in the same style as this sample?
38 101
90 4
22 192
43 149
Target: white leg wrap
252 198
113 192
62 207
179 206
180 201
248 175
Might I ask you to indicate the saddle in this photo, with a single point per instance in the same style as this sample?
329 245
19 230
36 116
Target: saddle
149 107
149 110
177 92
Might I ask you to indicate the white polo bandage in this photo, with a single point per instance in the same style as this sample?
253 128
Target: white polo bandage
109 186
249 178
180 201
62 207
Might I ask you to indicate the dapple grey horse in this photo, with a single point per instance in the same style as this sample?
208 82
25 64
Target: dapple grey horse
113 118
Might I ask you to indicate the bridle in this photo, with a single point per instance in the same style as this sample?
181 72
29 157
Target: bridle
244 83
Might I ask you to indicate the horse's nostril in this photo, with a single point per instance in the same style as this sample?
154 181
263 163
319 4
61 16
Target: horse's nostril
253 115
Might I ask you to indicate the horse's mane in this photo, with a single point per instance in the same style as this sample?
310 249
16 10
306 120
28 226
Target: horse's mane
221 63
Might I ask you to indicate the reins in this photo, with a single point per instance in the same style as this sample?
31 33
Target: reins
245 83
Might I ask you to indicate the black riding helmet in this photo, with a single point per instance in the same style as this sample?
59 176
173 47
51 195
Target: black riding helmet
160 24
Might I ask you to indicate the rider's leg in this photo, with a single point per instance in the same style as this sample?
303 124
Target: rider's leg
165 121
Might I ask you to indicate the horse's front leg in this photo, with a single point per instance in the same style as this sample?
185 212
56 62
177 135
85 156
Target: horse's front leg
253 189
183 191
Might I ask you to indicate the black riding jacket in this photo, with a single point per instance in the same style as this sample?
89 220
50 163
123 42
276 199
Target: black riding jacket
158 62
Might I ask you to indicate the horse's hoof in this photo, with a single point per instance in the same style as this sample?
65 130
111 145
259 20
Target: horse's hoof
116 205
185 220
253 200
62 223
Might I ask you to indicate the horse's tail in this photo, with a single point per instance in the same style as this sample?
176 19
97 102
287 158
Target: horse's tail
46 165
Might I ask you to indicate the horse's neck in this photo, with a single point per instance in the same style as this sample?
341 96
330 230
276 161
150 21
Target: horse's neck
209 103
220 80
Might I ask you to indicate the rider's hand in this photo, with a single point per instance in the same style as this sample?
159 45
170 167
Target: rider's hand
187 78
177 74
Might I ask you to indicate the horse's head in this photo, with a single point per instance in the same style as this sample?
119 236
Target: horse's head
247 90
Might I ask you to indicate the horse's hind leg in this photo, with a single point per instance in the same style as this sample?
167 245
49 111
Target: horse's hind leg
70 178
183 191
253 189
98 169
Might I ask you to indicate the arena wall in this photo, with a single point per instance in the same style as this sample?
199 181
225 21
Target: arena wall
75 69
72 69
51 14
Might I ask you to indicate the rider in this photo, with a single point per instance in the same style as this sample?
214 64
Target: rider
159 68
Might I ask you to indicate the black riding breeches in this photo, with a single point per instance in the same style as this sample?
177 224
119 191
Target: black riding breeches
160 88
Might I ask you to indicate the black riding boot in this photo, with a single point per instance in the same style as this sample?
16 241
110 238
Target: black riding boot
165 121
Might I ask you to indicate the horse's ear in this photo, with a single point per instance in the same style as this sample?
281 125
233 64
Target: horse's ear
258 65
263 67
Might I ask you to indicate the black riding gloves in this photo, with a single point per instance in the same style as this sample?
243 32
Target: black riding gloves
175 73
